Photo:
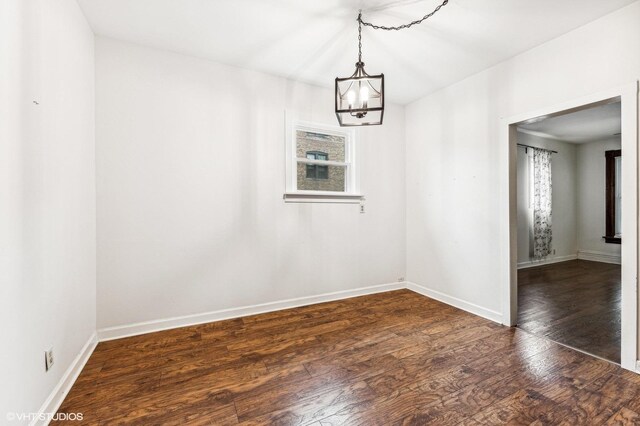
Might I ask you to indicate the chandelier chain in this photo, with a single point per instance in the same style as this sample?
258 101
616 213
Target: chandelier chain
360 36
400 27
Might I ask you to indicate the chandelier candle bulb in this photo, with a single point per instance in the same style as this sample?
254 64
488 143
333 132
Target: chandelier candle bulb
351 98
364 96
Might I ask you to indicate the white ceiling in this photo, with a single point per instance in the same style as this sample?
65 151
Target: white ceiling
315 41
583 126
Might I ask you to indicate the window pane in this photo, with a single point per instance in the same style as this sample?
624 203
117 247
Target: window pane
324 178
321 146
322 172
311 171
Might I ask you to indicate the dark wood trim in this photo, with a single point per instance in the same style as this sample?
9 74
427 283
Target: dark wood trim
610 196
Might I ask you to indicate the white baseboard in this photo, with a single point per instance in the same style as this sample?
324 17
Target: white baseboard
119 332
53 402
55 399
456 303
597 256
556 259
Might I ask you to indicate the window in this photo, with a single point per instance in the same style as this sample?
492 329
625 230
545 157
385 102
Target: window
320 164
613 212
316 171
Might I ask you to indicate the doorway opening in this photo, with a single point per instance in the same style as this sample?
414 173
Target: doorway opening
535 249
570 229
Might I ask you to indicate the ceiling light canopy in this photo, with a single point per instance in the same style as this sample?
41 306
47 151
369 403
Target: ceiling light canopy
360 97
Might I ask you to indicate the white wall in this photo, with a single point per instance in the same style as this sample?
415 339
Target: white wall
453 174
190 179
47 196
591 196
563 175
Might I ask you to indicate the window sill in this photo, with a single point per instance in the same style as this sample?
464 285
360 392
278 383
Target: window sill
322 197
612 240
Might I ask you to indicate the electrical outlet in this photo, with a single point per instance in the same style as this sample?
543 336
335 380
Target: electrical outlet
48 359
361 208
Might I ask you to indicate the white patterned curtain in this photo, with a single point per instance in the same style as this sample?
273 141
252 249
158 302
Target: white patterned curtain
541 203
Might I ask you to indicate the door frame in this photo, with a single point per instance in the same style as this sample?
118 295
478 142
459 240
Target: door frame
628 96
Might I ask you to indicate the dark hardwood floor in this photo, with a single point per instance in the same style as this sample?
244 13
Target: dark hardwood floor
390 358
576 303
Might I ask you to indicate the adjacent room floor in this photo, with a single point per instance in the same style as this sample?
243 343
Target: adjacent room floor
379 359
576 303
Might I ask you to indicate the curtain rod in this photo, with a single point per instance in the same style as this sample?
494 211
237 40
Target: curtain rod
529 146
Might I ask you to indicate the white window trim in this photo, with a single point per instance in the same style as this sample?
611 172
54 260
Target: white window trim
352 193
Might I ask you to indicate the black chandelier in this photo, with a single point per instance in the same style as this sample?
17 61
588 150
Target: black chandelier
360 97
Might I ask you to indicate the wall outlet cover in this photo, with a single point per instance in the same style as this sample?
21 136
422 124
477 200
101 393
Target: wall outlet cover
48 359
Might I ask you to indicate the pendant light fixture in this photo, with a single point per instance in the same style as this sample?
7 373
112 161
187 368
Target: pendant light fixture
360 97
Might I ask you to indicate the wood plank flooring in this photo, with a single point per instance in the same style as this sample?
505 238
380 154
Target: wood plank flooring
390 358
576 303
